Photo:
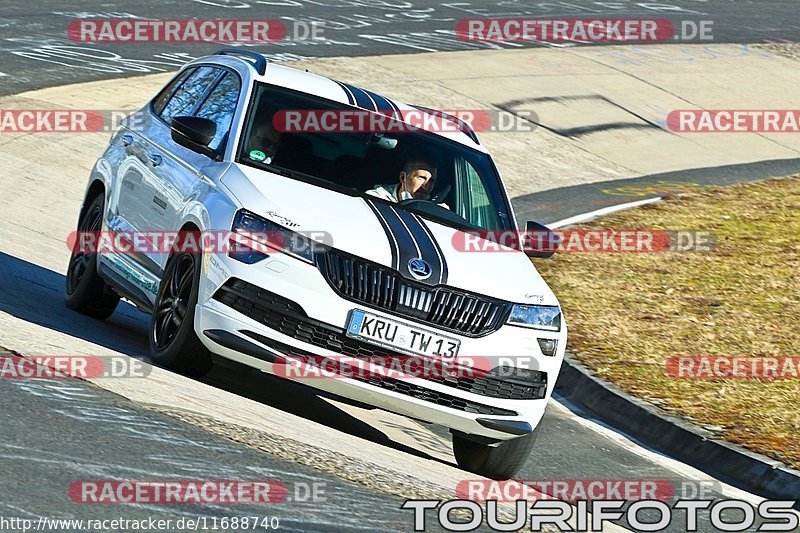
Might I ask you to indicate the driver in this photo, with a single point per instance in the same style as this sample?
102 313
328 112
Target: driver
416 182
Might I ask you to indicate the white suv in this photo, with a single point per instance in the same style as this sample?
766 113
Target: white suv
387 280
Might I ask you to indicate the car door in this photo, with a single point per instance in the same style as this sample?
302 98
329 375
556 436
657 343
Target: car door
156 177
129 166
173 169
180 174
131 191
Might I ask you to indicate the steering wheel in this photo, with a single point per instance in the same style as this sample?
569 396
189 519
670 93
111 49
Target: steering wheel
442 194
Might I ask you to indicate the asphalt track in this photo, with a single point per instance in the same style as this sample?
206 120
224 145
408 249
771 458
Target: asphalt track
83 432
58 431
36 52
54 432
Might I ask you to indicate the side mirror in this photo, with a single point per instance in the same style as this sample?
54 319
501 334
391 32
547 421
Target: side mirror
541 241
194 133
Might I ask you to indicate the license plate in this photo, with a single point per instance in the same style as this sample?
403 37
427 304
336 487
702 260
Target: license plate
399 336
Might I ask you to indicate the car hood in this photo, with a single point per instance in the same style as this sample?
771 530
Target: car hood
366 229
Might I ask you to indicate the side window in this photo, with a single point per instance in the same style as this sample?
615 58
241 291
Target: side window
472 198
166 93
190 93
220 107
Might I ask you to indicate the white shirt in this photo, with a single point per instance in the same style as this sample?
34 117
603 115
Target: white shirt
386 192
389 192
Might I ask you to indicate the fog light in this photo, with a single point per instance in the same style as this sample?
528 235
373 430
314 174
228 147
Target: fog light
548 346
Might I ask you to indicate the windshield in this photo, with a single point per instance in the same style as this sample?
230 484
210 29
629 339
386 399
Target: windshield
420 171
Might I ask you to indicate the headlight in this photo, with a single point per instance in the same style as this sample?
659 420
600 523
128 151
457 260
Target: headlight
268 236
536 316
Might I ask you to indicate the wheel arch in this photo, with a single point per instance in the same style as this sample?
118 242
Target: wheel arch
190 225
96 187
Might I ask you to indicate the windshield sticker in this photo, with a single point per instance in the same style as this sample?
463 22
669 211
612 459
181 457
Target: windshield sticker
257 155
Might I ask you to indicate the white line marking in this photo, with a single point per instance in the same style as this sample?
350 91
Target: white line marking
577 219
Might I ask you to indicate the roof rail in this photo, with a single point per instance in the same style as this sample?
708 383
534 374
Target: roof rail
462 126
260 60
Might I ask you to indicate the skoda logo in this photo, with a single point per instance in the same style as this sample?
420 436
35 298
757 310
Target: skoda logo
419 268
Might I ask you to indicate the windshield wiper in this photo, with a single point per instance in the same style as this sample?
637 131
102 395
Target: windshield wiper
451 219
279 170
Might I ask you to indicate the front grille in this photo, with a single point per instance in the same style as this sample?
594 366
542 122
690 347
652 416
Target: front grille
377 286
289 318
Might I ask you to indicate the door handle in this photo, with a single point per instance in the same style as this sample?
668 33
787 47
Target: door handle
127 140
155 159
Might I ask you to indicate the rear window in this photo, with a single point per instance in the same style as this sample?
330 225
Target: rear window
166 93
191 92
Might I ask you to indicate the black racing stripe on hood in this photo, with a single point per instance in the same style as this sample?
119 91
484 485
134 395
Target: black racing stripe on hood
438 249
428 248
348 92
362 98
384 106
407 248
410 239
393 243
396 109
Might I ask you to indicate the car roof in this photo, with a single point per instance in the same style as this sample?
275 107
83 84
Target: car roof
344 93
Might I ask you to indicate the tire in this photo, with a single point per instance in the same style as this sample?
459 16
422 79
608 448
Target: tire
173 342
502 461
84 290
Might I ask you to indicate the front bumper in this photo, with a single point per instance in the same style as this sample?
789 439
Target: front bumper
236 327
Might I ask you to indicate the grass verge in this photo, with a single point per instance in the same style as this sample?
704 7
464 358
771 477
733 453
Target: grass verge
629 313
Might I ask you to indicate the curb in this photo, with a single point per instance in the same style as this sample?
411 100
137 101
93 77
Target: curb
671 435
